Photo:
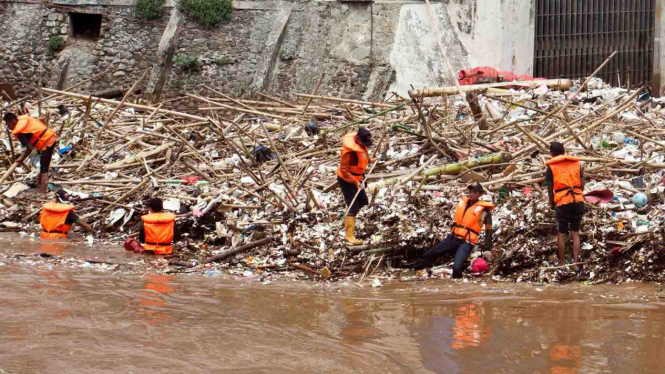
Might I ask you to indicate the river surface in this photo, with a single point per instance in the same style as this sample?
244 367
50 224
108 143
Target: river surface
57 319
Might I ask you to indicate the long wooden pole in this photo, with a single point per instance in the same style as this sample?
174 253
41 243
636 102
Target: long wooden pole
316 88
117 108
16 163
130 105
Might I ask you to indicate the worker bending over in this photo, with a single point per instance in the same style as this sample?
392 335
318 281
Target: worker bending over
33 133
565 188
470 215
58 216
158 232
354 161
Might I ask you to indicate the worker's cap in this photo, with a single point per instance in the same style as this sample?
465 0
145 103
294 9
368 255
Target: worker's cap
476 187
556 148
365 136
62 196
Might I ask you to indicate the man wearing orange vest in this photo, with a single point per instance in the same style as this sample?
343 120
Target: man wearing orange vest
354 161
565 188
58 216
33 133
158 230
470 215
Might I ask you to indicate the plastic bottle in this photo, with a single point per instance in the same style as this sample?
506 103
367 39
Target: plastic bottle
626 216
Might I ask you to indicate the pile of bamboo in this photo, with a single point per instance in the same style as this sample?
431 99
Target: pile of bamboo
125 151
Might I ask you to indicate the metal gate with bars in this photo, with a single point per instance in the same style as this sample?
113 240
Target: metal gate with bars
573 37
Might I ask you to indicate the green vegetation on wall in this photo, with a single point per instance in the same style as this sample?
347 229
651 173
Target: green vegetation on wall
208 13
55 43
186 62
148 9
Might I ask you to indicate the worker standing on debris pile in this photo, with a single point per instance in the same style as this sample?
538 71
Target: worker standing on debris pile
158 231
565 188
33 133
471 214
58 216
354 161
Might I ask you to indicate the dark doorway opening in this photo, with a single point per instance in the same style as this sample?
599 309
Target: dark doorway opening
86 25
573 37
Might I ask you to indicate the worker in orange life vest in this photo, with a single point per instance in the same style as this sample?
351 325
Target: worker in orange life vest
58 216
33 133
470 215
158 231
565 188
353 164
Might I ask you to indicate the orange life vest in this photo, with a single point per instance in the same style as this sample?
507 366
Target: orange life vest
349 145
42 136
468 221
53 219
567 179
158 229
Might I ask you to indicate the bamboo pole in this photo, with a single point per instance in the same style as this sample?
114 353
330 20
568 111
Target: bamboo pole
562 84
117 108
316 88
130 105
16 164
340 100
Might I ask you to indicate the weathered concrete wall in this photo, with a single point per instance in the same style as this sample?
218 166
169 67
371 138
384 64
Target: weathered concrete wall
362 49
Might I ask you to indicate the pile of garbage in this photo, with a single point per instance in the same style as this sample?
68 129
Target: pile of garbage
254 187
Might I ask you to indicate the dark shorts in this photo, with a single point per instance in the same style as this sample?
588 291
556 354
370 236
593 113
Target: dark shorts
349 191
45 159
569 216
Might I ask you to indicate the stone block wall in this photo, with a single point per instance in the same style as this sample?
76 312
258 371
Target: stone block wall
360 47
125 48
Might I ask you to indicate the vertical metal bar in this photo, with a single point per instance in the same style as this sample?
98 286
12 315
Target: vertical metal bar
636 47
644 45
580 37
632 46
557 37
628 5
617 40
583 38
569 38
551 25
594 32
546 38
536 40
655 26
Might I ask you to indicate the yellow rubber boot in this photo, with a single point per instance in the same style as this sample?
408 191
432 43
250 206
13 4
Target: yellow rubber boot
350 228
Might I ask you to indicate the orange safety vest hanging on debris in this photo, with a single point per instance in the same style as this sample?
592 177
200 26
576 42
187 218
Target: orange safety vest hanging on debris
53 219
567 179
158 229
468 221
42 136
349 145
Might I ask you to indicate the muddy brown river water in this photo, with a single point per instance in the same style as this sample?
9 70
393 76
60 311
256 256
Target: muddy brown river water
63 320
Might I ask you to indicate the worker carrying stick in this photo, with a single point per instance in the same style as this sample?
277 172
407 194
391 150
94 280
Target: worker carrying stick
565 188
354 161
58 217
471 214
33 133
